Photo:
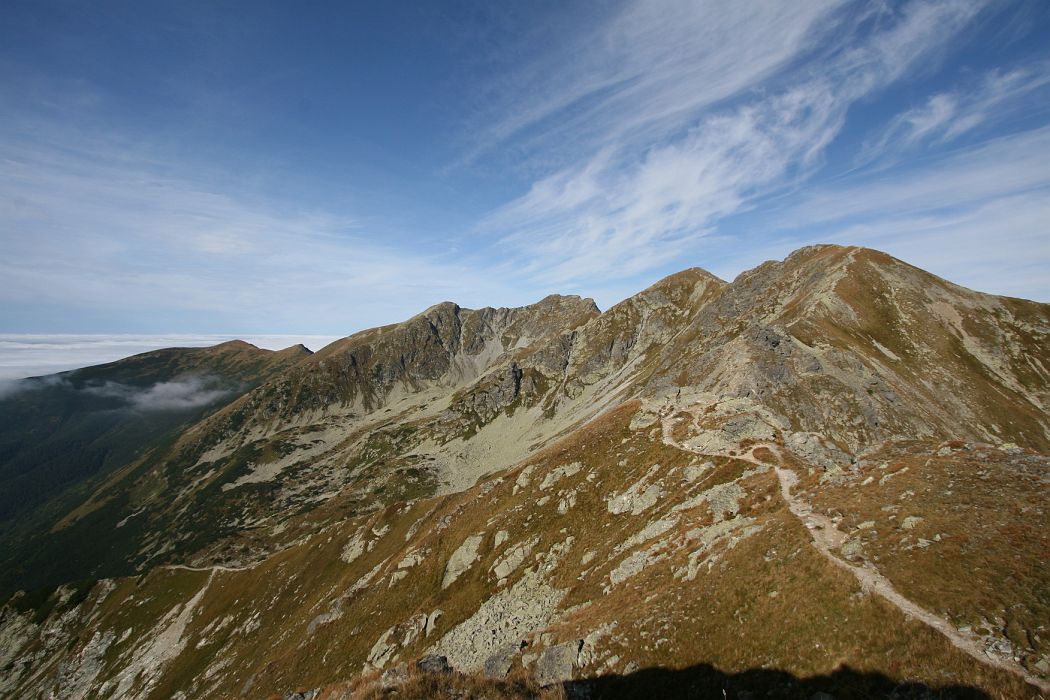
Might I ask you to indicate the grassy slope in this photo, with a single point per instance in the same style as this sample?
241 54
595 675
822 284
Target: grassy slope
727 617
979 553
59 442
295 632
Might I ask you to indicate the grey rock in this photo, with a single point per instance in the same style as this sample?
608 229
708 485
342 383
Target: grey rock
852 549
431 623
498 665
434 663
461 560
492 397
815 449
507 617
643 419
637 499
394 676
383 650
513 558
910 522
557 663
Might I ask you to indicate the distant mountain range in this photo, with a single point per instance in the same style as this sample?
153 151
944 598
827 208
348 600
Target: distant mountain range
828 475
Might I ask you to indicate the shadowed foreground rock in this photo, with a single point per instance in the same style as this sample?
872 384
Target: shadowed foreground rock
705 681
695 683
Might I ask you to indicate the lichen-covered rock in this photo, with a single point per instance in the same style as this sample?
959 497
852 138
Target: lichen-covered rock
852 549
814 449
498 665
505 618
558 473
431 623
383 649
461 560
513 558
556 664
637 499
643 419
433 663
723 499
911 522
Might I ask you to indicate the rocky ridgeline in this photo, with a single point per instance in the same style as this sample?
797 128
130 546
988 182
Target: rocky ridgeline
700 478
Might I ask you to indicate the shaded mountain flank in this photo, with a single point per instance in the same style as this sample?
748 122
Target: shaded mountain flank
826 476
64 434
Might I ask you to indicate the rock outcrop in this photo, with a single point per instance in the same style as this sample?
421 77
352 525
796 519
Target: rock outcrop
835 461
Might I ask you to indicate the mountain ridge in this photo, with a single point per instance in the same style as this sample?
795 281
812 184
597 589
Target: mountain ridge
503 485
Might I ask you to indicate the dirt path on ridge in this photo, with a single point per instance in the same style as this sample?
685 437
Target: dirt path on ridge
825 537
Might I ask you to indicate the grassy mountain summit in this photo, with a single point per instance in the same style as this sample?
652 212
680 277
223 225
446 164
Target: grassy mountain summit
829 474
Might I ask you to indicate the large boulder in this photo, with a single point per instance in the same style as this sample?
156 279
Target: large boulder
556 663
434 663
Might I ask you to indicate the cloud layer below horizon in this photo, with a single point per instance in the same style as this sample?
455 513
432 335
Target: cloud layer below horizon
29 355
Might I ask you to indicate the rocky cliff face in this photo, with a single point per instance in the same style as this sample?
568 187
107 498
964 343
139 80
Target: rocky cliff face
795 470
445 345
862 348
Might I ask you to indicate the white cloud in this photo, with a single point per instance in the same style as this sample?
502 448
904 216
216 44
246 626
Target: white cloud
1001 246
637 203
177 395
9 387
644 72
977 217
999 168
29 355
183 393
647 131
629 219
107 228
946 116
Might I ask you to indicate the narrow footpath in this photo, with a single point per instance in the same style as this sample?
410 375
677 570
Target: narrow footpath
826 537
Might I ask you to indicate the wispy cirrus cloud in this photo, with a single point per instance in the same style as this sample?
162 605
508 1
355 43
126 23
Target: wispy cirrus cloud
976 216
116 231
636 137
998 245
946 116
648 195
631 218
1003 167
641 73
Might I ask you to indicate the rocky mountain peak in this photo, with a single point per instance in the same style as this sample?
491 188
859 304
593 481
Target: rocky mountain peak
577 495
296 350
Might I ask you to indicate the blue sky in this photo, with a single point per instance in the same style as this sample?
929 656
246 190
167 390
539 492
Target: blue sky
318 168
